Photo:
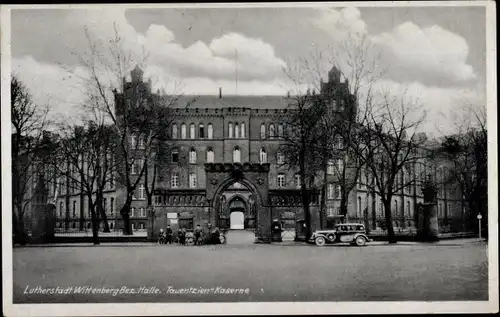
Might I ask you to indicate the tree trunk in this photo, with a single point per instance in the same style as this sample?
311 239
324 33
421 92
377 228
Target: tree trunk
95 226
322 212
343 208
388 222
125 213
82 213
21 236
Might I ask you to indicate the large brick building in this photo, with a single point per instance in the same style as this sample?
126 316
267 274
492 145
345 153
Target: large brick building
224 169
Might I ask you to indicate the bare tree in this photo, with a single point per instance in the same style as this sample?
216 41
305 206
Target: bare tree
391 144
300 140
136 114
28 121
88 156
467 152
357 66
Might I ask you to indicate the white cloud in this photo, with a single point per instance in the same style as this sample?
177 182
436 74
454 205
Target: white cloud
340 23
431 55
439 102
51 85
432 51
256 59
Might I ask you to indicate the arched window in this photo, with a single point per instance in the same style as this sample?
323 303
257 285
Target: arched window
271 130
201 131
230 127
263 131
174 131
236 130
280 130
192 131
192 156
242 128
210 131
263 156
183 131
236 155
210 155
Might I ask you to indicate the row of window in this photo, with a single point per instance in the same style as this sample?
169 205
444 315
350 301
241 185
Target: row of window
210 156
74 210
192 131
271 132
174 181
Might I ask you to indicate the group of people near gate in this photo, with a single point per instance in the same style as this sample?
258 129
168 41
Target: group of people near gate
167 236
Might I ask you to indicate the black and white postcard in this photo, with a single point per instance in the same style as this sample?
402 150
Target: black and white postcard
252 158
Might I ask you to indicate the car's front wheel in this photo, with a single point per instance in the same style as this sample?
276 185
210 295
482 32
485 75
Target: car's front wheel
360 241
320 241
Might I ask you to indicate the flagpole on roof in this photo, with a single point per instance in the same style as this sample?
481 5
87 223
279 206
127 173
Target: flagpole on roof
236 68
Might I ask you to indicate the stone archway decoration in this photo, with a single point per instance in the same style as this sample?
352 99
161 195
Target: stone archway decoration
255 178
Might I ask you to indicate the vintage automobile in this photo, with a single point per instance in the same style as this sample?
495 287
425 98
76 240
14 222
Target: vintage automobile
353 233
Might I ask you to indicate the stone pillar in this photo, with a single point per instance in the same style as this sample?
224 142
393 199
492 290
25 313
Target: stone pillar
43 224
428 228
263 232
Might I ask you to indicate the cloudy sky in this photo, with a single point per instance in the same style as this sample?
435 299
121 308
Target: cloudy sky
437 54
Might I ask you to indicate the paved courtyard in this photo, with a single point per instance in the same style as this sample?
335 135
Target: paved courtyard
250 273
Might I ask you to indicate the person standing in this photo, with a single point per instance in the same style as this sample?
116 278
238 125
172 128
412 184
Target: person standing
197 235
169 234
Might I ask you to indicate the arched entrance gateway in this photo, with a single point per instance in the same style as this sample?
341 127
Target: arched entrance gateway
238 212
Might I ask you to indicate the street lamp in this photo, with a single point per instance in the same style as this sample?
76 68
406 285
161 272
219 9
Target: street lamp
479 217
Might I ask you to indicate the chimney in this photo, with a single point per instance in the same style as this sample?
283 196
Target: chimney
220 92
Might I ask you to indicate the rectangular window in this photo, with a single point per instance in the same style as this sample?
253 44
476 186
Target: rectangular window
281 158
131 140
174 180
201 133
158 200
134 194
297 181
330 191
142 211
175 156
141 142
186 223
74 208
340 165
142 192
331 211
281 180
339 192
132 212
330 168
112 206
133 226
192 180
105 205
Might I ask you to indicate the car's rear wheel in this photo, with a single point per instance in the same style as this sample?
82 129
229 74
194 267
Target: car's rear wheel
360 241
320 241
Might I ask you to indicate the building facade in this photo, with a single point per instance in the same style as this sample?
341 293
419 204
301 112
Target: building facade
224 169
